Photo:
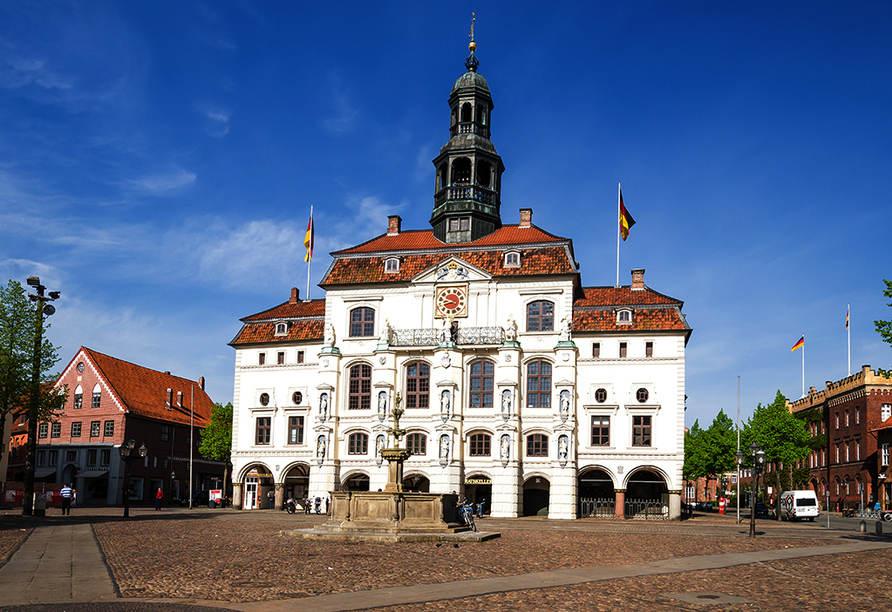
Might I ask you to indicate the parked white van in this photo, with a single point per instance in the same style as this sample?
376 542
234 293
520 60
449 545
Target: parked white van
796 505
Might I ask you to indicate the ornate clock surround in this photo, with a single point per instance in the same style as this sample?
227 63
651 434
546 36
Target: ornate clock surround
451 301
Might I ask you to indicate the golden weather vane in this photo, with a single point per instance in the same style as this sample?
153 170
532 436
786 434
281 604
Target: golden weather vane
472 44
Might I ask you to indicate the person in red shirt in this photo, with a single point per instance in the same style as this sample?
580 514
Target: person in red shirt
158 497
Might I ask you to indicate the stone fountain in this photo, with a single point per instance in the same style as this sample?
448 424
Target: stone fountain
393 515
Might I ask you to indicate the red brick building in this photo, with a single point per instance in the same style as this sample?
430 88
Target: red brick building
884 443
111 401
855 412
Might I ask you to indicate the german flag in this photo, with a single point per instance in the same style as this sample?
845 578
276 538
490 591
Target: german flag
625 219
309 239
799 344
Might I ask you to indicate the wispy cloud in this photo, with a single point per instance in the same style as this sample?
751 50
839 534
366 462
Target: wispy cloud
217 120
162 184
18 72
345 113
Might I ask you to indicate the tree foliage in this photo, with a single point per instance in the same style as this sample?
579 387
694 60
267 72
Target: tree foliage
720 442
884 328
694 458
216 439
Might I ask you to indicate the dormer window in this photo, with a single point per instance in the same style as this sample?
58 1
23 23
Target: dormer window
391 265
512 259
624 317
281 328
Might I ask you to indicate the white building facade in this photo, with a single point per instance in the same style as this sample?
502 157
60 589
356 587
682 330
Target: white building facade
523 390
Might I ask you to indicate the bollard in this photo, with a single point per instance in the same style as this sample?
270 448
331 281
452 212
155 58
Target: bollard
863 527
879 527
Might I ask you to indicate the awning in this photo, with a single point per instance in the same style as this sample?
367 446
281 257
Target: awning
91 474
44 473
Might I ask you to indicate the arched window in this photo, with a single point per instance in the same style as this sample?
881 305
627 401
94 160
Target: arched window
97 396
78 397
484 174
418 384
362 322
539 384
540 316
360 396
281 329
481 115
461 171
358 444
466 112
479 445
416 443
537 445
481 383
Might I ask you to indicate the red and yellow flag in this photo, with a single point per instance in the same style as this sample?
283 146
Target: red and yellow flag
625 219
308 239
847 318
799 344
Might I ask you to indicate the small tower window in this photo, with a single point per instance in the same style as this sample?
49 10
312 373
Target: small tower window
466 112
391 265
512 259
281 329
624 317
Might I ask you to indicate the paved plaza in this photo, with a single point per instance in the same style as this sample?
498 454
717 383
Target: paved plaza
201 559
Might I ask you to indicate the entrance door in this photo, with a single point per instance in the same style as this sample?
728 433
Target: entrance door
250 502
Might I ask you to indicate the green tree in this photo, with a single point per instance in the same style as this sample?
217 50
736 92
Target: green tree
694 466
22 390
782 436
720 442
216 439
884 328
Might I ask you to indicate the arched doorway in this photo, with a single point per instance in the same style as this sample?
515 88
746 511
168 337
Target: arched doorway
356 482
256 485
536 493
647 495
597 496
297 481
478 490
418 483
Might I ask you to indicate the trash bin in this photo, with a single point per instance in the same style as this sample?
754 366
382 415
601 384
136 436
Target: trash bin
212 503
39 504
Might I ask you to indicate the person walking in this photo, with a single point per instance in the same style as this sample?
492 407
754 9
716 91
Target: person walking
272 498
158 497
67 493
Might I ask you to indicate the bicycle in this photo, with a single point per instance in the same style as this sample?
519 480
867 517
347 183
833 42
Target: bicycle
466 511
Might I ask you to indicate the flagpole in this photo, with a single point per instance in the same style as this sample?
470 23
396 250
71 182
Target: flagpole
618 225
738 449
849 334
310 262
803 366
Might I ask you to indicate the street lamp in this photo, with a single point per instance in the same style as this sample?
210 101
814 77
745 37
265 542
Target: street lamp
128 455
42 309
758 461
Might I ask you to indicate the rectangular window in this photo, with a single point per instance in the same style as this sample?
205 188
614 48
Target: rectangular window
264 427
648 349
42 430
857 450
596 350
641 431
885 412
261 359
295 430
105 457
847 451
884 454
600 431
847 417
479 445
837 420
97 399
91 457
537 445
623 350
165 433
56 430
837 453
109 429
78 400
71 455
94 428
280 358
300 356
53 458
857 416
41 458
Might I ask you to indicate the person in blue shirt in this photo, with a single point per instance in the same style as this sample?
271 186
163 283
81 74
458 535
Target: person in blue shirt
67 493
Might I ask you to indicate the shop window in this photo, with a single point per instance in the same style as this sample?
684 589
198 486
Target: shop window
539 384
481 383
480 445
418 385
362 322
417 443
641 430
600 431
295 430
540 316
537 445
360 396
263 430
358 444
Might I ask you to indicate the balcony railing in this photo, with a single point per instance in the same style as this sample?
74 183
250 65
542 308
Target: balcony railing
469 128
467 336
477 193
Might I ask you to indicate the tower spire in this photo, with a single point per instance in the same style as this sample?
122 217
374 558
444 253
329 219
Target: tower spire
471 63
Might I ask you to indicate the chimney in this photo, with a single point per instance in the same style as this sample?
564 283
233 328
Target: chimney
526 217
295 295
201 382
180 398
393 225
638 279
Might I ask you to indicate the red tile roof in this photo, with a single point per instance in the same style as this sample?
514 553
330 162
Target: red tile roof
621 296
290 310
305 322
595 310
143 391
412 240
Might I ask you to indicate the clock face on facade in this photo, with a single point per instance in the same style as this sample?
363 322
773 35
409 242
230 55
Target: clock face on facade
452 301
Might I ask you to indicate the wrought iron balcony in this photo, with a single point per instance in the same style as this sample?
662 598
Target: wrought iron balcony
467 336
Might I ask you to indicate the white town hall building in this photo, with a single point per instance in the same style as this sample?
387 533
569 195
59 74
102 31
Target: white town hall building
523 389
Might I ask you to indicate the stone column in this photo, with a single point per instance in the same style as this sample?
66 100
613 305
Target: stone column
237 495
674 505
620 509
280 495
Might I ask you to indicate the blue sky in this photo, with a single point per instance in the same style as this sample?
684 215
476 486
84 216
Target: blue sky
158 161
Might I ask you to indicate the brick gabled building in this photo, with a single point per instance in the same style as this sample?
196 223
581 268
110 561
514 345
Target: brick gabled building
111 401
522 388
854 412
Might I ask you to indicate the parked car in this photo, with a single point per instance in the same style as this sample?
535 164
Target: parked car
762 510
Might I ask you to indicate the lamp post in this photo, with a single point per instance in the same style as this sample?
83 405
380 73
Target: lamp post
758 461
127 455
42 309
